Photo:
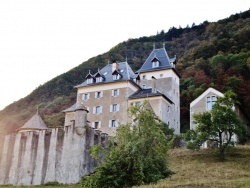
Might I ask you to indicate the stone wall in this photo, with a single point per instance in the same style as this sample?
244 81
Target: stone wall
38 157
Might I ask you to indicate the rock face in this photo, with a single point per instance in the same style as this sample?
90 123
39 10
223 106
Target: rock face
38 157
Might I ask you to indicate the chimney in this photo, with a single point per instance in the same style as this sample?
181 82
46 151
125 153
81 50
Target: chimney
153 84
114 66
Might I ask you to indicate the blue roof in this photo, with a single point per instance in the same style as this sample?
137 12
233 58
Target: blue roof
164 61
145 93
123 68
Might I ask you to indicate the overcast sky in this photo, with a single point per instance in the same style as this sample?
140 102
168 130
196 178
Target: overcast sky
41 39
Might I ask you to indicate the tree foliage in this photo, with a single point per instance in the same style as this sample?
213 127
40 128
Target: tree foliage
218 125
137 155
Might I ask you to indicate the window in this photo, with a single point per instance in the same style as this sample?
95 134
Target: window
98 94
99 79
210 102
144 77
96 125
113 123
155 64
115 92
97 110
89 80
114 107
85 96
116 76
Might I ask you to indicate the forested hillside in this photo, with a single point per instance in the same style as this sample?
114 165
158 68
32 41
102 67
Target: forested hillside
209 55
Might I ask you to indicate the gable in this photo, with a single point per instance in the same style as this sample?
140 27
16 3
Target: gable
209 91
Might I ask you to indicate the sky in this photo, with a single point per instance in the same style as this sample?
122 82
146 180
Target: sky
41 39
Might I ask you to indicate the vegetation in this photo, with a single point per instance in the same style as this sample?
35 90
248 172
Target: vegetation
129 161
213 54
202 169
218 125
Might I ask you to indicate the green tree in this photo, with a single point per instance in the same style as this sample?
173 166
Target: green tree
137 155
217 125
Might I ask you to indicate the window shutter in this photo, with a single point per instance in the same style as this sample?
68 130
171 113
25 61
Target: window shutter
100 109
112 93
88 95
116 123
93 124
94 108
110 121
110 108
95 94
118 107
118 91
100 124
101 94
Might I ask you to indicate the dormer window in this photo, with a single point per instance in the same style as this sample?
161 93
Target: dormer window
99 79
116 76
89 80
155 63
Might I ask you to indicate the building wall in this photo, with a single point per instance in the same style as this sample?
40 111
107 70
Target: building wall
34 158
166 82
162 108
199 107
106 101
69 118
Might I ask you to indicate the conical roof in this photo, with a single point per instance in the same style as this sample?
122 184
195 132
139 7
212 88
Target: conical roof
34 123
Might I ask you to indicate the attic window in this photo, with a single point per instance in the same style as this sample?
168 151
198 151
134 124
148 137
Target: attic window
155 63
105 73
89 80
122 70
99 79
211 100
116 76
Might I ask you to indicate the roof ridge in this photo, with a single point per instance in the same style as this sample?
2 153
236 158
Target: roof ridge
127 70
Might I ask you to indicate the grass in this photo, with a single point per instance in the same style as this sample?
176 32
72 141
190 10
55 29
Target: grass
202 169
195 169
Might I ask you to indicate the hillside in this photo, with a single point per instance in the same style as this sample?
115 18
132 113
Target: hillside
195 169
210 54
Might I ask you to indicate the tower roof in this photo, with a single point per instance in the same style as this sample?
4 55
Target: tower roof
34 123
160 55
76 107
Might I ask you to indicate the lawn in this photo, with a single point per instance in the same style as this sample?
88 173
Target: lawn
195 169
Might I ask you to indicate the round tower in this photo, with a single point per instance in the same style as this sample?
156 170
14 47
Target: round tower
80 119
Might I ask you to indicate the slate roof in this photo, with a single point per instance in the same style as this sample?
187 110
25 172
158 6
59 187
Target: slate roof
145 93
35 123
74 107
71 109
123 69
164 61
